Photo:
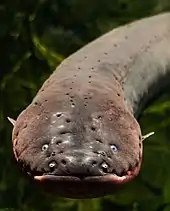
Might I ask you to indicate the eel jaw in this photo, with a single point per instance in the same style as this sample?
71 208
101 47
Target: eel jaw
113 178
86 187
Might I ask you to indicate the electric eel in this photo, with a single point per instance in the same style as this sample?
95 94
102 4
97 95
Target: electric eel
80 136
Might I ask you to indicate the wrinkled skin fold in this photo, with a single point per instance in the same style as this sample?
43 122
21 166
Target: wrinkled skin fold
79 138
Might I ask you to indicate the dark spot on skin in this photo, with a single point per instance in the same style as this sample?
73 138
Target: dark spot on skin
79 68
58 142
89 76
116 78
98 140
71 88
59 114
109 156
94 163
126 37
42 90
85 105
92 68
85 57
25 126
85 98
67 93
118 94
38 103
63 162
115 45
88 170
68 120
53 154
75 76
105 53
93 128
99 60
61 151
137 163
63 132
125 66
99 117
89 82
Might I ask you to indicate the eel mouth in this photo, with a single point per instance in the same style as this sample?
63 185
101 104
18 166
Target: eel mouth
86 187
113 178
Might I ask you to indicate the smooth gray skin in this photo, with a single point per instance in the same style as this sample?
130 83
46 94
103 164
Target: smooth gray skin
81 125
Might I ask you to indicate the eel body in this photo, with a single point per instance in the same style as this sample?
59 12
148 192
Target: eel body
79 138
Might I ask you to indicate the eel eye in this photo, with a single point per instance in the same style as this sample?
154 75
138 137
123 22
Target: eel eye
44 147
113 148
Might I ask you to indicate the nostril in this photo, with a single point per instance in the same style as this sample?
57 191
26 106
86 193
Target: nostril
93 128
53 153
98 140
64 131
52 165
104 167
63 162
94 163
59 142
58 114
68 120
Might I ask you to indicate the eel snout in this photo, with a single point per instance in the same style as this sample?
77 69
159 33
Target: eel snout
82 146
